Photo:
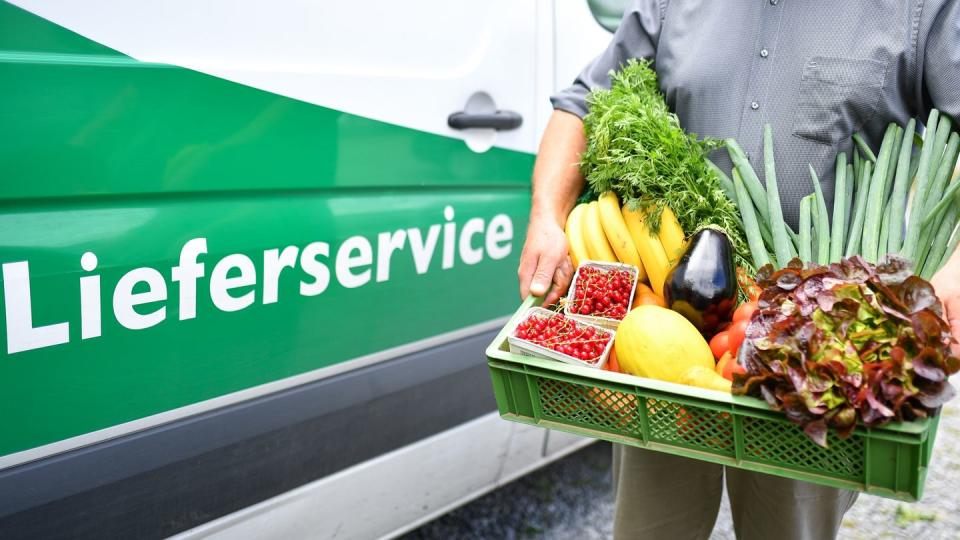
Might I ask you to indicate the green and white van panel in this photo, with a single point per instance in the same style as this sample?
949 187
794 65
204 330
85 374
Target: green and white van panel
207 207
222 236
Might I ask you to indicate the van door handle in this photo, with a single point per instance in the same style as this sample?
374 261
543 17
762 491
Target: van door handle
500 120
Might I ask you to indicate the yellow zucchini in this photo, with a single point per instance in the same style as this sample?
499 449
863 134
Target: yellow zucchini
648 245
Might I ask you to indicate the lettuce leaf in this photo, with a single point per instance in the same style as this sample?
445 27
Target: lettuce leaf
834 346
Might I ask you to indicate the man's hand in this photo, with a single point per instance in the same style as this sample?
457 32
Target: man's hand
947 284
544 261
556 183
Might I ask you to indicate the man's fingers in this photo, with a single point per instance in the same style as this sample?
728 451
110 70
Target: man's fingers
543 276
528 264
561 281
952 315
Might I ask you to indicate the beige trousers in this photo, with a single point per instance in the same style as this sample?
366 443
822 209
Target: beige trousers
660 496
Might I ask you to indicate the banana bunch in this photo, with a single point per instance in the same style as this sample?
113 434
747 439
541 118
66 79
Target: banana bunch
603 231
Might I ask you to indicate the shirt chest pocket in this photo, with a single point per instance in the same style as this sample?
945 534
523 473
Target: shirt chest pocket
837 97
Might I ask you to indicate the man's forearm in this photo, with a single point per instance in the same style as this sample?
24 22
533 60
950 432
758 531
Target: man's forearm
556 177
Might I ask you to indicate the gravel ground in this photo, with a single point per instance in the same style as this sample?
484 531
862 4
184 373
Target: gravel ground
571 499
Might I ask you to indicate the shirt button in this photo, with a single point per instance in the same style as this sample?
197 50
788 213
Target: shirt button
754 105
764 53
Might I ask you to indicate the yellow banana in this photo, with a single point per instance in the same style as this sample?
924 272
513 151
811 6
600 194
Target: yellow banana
575 239
616 231
671 235
597 246
648 246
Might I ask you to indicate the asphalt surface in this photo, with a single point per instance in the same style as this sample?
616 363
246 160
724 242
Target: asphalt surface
571 499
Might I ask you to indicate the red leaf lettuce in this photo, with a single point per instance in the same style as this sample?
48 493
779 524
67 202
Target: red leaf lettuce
851 342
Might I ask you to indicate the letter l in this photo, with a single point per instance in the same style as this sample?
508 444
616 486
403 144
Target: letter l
21 334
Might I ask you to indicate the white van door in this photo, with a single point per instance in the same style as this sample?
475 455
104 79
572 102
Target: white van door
411 64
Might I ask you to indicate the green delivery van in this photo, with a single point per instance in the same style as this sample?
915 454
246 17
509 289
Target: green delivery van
252 253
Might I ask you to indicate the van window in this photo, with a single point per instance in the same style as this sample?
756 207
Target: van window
608 12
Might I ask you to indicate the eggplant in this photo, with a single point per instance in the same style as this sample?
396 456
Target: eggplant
702 286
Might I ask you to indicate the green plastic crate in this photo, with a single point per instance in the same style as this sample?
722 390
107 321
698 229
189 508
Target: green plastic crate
704 424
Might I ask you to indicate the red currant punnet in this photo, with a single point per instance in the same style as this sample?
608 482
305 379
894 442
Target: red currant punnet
565 336
602 292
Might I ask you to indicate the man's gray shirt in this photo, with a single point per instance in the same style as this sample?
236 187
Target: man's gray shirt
816 70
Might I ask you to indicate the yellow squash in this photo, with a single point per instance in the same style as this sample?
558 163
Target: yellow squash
671 235
597 246
616 230
702 377
575 239
659 343
648 246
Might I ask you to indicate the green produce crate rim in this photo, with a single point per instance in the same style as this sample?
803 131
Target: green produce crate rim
499 355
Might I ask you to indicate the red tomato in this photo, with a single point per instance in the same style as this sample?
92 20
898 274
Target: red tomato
720 344
737 332
730 368
745 311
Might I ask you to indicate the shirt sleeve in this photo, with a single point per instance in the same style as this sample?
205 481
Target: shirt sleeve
636 37
941 59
